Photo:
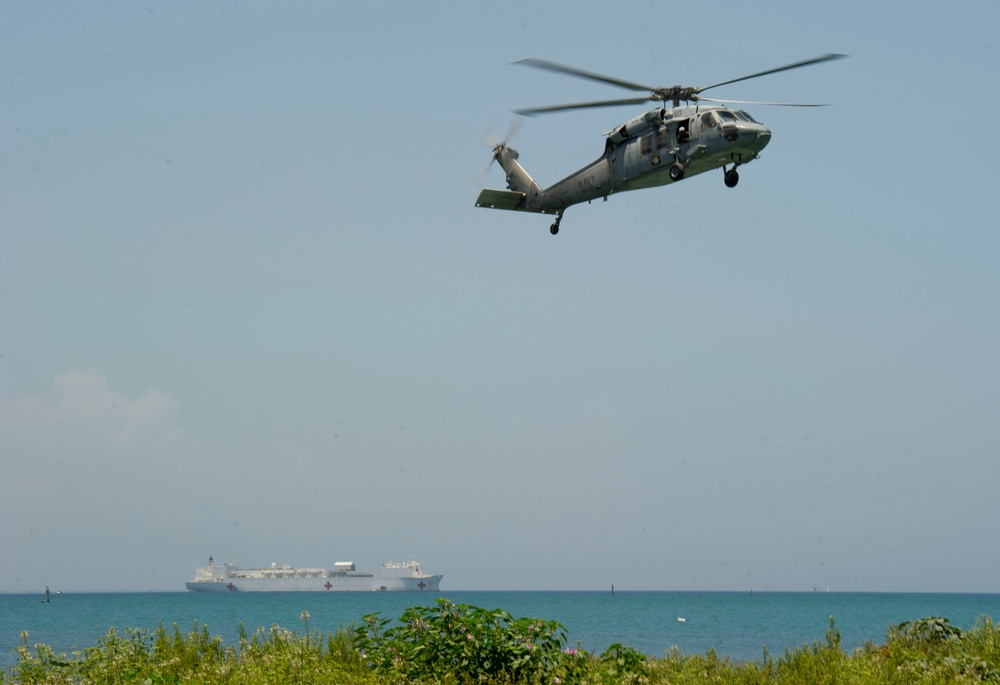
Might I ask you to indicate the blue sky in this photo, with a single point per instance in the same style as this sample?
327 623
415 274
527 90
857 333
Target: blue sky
248 309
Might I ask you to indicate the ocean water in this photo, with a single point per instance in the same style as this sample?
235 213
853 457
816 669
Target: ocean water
736 624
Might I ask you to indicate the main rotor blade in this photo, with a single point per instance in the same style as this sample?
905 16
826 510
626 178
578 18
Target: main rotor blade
772 104
805 63
580 73
581 105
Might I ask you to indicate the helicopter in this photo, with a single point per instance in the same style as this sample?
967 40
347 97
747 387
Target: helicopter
658 147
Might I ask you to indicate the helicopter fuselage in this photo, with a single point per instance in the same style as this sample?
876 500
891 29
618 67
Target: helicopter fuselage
659 147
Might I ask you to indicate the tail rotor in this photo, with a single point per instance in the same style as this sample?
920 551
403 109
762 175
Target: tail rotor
498 145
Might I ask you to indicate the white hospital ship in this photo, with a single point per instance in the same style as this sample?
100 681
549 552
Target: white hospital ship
343 577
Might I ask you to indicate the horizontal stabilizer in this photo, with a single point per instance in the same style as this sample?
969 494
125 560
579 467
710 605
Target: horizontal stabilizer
506 199
500 199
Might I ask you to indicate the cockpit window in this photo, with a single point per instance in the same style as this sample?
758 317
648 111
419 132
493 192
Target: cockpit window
726 116
708 121
747 115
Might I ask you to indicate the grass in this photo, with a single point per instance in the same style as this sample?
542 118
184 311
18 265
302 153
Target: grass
462 644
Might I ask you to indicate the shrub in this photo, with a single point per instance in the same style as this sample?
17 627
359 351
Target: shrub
463 642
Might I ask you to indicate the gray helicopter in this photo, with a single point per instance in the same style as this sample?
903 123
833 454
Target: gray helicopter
658 147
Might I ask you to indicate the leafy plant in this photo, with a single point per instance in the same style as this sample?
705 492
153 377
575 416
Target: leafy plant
933 630
461 641
620 662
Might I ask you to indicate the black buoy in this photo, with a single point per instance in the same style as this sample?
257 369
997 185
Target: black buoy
48 597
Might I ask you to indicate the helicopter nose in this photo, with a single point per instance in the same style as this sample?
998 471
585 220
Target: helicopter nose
763 137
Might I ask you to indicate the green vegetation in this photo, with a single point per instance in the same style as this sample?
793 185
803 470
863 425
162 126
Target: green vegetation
460 644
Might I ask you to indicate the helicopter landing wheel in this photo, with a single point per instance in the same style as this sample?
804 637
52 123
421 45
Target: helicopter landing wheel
732 178
554 228
676 171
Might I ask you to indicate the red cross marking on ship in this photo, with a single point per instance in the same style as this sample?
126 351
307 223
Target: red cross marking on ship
232 588
328 585
421 585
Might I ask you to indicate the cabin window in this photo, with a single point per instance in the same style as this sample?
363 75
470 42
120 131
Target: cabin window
730 129
661 137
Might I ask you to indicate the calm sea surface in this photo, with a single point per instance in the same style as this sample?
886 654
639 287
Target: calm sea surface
736 625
